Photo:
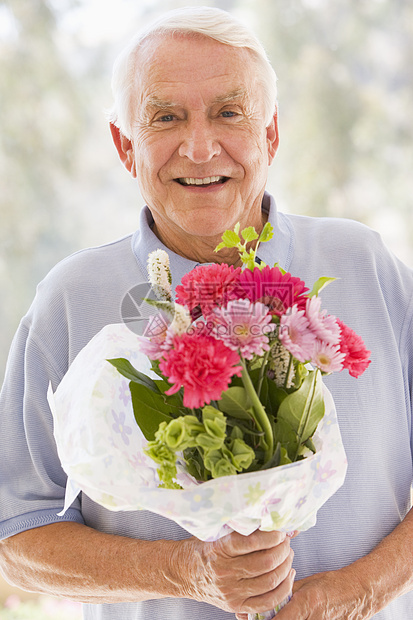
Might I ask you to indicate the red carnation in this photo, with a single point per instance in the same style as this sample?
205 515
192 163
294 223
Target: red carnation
352 345
277 290
202 365
207 286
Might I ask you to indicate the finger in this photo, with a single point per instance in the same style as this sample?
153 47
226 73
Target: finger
271 599
236 544
267 582
297 610
261 562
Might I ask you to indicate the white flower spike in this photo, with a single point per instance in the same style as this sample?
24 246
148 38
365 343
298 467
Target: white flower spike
160 274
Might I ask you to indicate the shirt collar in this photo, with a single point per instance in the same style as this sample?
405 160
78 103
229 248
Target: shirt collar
278 250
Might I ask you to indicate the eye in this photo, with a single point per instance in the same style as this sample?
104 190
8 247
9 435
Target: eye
166 118
229 113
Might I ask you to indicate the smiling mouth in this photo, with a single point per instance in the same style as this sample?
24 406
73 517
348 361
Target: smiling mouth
205 182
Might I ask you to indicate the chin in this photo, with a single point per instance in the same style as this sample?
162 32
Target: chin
206 225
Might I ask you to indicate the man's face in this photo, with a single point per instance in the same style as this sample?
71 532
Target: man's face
200 148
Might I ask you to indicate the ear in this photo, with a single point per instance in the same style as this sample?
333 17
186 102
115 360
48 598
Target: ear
124 148
272 138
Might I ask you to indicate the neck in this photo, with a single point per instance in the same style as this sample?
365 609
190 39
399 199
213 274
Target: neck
201 249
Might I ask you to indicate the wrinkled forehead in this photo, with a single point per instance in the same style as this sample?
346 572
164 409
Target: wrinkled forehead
182 59
173 68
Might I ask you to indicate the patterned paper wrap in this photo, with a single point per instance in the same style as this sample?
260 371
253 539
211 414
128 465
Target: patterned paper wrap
101 449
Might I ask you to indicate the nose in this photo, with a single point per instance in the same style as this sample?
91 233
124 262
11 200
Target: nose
199 143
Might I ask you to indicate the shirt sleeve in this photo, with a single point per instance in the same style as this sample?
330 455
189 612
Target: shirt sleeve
32 481
406 353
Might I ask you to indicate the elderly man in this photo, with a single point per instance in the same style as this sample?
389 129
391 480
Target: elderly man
195 122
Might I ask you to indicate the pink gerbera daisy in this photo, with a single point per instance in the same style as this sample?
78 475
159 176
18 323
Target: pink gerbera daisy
200 364
322 324
243 325
207 286
295 334
356 355
277 290
153 340
327 357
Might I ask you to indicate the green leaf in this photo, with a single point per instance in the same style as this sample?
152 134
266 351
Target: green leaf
249 234
255 376
275 397
231 239
284 433
283 271
125 368
248 258
234 423
304 408
149 409
310 445
174 399
267 233
235 402
195 464
274 461
300 373
285 459
220 246
236 228
319 285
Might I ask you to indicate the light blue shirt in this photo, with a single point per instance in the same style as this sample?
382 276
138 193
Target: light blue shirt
373 294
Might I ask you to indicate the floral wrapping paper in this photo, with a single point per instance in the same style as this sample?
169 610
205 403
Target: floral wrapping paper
101 449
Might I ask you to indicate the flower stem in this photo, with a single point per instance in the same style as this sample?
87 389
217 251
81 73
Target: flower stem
261 416
306 413
287 376
262 371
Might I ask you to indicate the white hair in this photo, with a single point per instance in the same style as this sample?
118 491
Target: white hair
206 21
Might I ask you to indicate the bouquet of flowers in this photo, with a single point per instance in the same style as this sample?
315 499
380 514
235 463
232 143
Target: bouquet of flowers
229 382
235 392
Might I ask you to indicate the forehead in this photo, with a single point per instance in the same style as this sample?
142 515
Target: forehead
180 64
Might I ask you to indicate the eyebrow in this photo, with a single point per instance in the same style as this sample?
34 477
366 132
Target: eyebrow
238 93
156 103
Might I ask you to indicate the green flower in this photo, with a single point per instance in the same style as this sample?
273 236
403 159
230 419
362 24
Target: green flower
160 453
214 422
181 433
209 443
242 454
167 475
219 463
175 434
193 426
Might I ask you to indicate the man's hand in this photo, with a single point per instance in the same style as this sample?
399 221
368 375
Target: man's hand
335 595
237 573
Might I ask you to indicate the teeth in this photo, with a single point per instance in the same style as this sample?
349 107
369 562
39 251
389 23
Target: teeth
205 181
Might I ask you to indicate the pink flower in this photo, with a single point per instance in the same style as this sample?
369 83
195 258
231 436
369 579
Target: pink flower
207 286
200 364
271 287
322 324
243 325
152 343
152 348
352 346
295 334
327 357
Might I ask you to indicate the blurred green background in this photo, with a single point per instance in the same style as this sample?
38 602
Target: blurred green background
345 70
